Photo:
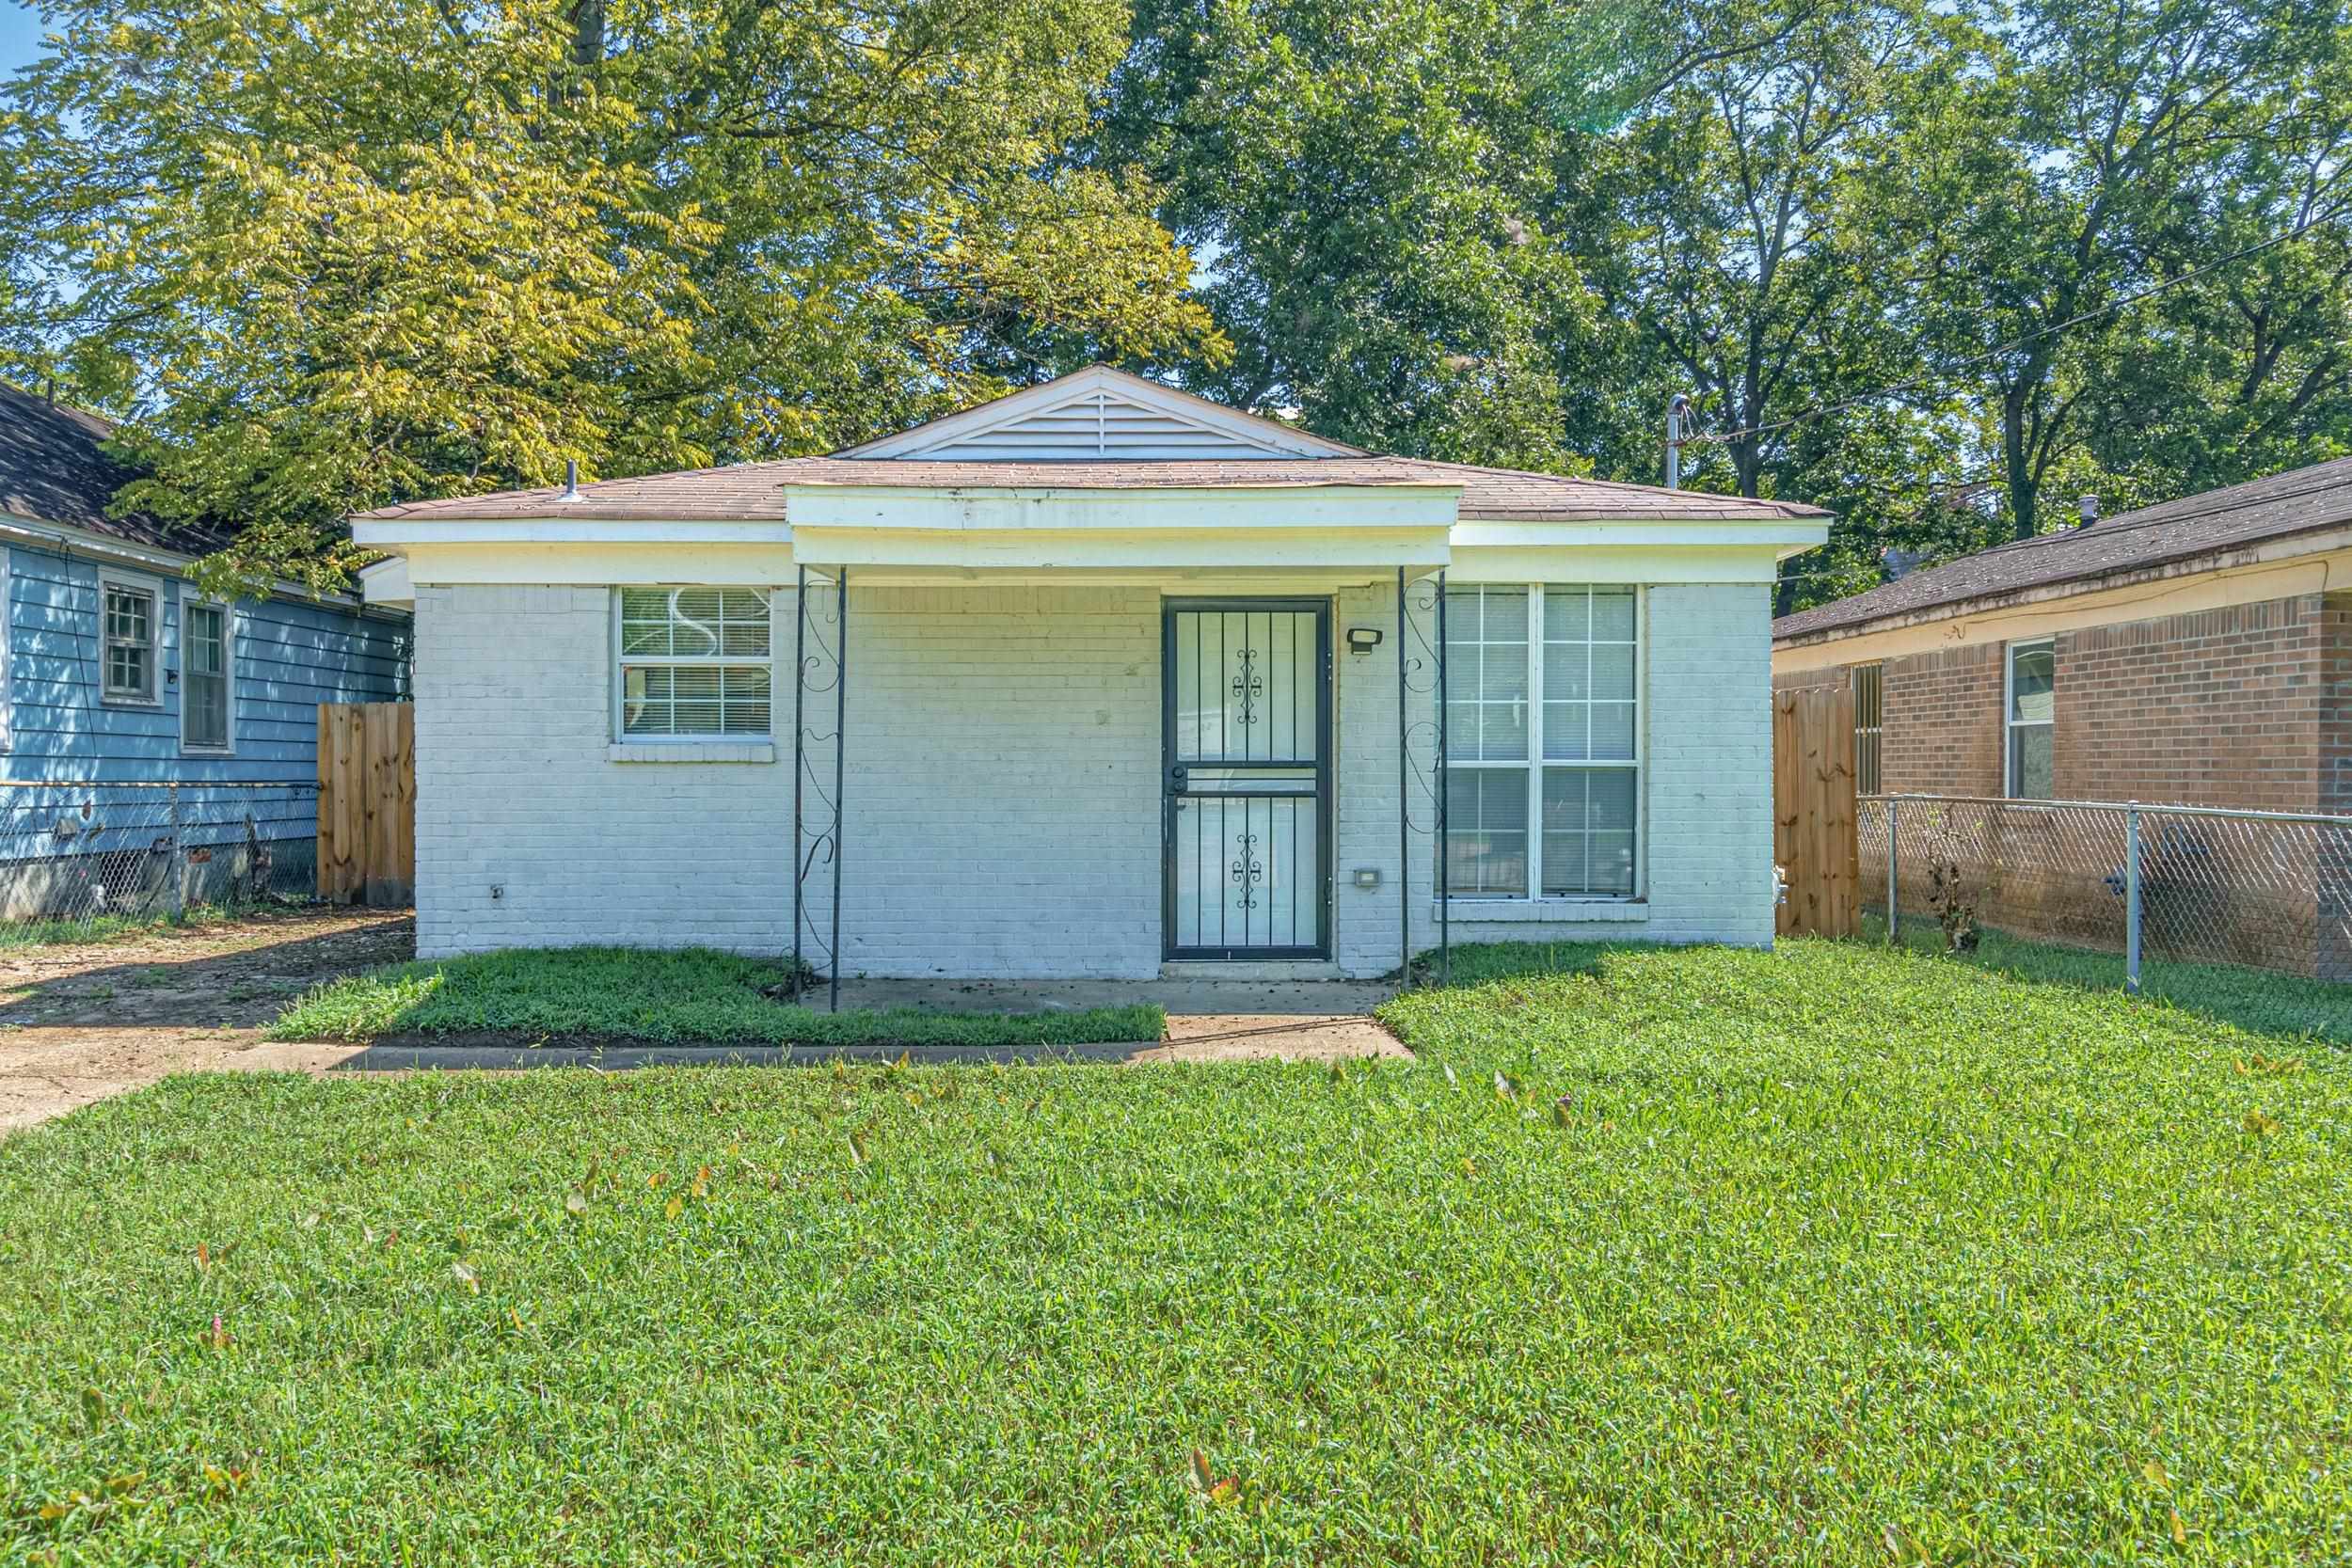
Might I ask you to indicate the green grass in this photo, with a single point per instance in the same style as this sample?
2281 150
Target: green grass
2254 999
106 927
1753 1258
694 996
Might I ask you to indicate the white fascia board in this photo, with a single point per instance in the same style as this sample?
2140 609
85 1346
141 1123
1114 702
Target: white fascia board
1789 535
1091 550
1219 508
1638 564
105 548
388 533
749 565
386 582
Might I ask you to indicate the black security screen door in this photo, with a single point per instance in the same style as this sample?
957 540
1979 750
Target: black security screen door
1247 778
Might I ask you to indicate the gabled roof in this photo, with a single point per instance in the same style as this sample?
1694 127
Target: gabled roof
2300 501
54 470
1100 414
1098 429
756 492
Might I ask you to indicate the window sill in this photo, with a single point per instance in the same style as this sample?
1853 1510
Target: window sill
1590 911
147 704
691 751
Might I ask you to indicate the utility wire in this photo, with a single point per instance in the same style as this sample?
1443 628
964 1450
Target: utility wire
1819 410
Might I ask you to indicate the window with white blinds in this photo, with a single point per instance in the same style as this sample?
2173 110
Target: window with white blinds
695 663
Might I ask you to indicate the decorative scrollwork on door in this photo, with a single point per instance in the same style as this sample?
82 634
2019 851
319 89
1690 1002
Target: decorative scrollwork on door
1248 870
1248 686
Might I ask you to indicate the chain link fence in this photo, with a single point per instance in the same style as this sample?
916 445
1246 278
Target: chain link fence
81 860
2186 884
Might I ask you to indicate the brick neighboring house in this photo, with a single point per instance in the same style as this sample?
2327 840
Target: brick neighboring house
2197 652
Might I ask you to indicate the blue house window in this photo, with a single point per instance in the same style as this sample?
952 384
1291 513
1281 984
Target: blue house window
204 686
129 634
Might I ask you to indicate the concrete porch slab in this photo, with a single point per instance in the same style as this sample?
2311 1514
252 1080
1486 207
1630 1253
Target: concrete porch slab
1208 1019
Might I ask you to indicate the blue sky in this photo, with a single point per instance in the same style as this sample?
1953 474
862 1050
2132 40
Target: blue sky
20 36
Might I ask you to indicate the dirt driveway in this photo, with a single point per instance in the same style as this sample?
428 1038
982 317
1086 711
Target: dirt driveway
80 1023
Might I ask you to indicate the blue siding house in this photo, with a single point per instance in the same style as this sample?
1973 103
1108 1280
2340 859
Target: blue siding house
155 746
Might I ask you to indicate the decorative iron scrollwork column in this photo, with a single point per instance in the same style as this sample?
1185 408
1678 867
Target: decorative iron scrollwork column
820 646
1421 753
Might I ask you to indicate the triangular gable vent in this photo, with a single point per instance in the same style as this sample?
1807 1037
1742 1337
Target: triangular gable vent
1095 416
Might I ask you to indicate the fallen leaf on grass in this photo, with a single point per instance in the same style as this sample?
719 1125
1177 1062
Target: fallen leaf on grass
2261 1125
465 1276
670 1209
2180 1529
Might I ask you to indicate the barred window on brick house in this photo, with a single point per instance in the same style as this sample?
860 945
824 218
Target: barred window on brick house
694 663
1542 740
1867 727
2030 706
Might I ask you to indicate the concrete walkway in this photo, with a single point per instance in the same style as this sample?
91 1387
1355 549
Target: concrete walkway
80 1023
1208 1021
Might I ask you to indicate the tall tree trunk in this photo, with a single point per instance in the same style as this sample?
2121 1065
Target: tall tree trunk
2025 489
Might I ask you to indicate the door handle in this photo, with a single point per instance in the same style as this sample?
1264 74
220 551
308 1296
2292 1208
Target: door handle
1176 778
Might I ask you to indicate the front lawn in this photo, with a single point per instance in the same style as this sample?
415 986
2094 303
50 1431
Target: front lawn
693 996
1831 1255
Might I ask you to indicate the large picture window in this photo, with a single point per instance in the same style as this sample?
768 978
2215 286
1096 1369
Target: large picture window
1542 740
2031 704
694 663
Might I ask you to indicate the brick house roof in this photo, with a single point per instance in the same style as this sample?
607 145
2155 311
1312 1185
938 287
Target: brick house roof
54 469
754 492
2302 500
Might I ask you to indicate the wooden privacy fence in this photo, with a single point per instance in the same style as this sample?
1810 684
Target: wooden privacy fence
1814 818
368 803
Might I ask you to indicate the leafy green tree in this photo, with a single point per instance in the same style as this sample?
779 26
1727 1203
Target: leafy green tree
2095 149
332 254
1369 186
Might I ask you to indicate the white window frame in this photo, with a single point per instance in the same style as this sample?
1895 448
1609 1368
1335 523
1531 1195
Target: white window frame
227 748
1535 763
132 582
2011 724
625 747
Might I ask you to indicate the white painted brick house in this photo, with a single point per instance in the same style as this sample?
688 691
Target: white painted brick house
1124 679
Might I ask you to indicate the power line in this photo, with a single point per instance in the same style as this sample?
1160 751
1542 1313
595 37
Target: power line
1915 383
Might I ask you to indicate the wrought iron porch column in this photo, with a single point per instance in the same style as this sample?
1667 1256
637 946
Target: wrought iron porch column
840 751
1445 868
800 745
1404 799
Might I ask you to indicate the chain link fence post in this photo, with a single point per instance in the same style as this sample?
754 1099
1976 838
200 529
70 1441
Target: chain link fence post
175 895
2131 900
1890 871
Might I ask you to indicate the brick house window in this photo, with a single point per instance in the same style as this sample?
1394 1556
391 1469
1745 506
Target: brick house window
2031 704
1542 683
1867 727
694 663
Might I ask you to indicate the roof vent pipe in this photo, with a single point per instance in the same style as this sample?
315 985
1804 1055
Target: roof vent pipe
571 480
1676 411
2087 507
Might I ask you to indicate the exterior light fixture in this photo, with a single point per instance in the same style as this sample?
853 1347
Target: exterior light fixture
1362 640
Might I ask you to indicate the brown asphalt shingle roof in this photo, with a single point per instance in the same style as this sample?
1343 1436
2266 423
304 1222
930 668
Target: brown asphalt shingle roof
54 469
754 492
2299 501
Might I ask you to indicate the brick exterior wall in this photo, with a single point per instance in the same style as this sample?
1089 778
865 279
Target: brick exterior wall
1004 788
2223 707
